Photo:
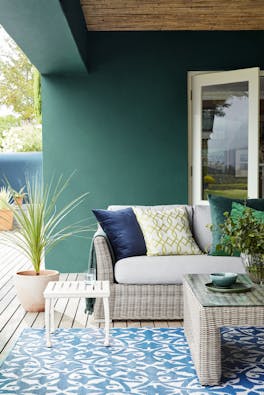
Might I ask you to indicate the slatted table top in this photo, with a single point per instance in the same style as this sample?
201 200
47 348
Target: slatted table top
77 289
207 298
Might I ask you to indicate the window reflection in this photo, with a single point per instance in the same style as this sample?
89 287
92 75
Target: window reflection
225 140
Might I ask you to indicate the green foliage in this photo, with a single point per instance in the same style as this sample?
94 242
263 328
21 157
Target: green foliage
24 138
245 234
17 80
41 223
37 95
16 85
7 122
209 179
5 198
20 193
232 193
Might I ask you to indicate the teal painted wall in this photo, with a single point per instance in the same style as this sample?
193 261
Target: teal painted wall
123 126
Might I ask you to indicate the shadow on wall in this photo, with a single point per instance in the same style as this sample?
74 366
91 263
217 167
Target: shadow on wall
18 166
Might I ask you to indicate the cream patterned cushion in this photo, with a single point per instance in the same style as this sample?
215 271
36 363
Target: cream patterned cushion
166 232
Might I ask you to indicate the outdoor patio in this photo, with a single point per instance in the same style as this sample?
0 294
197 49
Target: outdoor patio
68 313
157 110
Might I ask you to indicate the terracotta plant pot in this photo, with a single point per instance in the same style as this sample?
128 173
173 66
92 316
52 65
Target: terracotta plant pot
18 200
30 288
6 219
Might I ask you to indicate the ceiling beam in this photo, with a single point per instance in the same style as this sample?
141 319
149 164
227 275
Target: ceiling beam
42 30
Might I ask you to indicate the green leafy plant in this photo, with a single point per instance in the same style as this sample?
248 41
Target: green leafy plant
245 234
209 179
41 223
24 138
5 198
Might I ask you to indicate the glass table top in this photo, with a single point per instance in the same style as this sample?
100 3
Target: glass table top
207 298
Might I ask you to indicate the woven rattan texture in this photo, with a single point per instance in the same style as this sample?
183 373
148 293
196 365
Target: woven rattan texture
135 302
202 329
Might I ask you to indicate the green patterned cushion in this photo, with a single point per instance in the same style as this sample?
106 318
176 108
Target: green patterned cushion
166 232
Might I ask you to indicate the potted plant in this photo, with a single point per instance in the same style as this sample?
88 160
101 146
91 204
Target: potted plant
245 233
6 212
18 196
40 228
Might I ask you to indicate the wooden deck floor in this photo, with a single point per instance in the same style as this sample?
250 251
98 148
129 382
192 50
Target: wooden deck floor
68 313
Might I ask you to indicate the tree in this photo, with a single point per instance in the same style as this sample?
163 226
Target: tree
17 82
37 95
6 122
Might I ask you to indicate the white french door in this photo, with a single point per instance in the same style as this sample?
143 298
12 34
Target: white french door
225 134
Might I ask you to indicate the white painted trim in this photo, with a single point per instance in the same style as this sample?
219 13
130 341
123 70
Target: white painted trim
253 136
190 133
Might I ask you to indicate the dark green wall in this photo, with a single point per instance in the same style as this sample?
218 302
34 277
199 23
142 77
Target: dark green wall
123 126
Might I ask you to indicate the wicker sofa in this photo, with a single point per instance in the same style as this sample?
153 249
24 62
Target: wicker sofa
150 288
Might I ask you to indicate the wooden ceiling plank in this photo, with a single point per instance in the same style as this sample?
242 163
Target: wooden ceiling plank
173 15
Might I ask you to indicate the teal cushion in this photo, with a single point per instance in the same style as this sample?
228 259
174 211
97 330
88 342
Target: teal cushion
218 206
256 204
238 211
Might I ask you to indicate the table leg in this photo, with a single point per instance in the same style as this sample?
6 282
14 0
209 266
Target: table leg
107 320
47 320
204 339
52 326
208 359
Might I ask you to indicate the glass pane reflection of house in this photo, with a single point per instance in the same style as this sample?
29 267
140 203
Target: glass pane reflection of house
225 140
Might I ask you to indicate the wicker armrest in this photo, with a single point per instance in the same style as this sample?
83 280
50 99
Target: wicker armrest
103 260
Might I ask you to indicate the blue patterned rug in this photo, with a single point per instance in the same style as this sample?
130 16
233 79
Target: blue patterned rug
139 361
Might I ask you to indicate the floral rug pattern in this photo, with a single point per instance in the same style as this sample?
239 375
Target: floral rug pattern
140 361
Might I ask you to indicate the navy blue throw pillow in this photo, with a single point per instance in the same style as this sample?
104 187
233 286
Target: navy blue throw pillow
123 232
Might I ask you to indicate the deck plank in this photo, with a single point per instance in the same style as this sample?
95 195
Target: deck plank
175 324
161 324
148 324
133 324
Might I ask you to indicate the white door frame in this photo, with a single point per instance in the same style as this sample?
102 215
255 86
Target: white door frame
234 76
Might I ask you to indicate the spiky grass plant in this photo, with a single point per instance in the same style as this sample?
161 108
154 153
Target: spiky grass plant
5 198
40 222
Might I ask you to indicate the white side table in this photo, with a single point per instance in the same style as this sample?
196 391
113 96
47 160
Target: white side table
75 289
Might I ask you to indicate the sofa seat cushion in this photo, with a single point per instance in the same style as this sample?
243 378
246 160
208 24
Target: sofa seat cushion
170 269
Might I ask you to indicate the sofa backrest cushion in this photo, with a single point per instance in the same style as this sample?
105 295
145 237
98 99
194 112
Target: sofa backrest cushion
159 208
199 217
201 222
166 232
123 232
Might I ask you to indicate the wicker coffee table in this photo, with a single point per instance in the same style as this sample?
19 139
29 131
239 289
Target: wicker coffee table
205 312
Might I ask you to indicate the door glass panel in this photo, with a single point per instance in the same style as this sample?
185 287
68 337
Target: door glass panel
225 139
261 141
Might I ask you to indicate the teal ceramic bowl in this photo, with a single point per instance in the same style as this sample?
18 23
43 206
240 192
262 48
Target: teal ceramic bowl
223 279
